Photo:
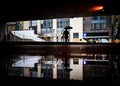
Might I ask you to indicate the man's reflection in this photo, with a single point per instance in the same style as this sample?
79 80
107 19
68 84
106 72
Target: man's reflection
67 65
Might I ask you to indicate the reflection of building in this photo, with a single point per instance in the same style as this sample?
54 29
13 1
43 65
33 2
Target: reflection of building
77 65
55 68
25 66
96 70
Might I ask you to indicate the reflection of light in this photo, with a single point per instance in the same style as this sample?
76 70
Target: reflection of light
84 62
79 54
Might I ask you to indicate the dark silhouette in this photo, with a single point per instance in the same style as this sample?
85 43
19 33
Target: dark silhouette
7 37
67 65
66 35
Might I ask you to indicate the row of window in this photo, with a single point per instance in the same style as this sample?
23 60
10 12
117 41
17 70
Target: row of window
97 22
61 23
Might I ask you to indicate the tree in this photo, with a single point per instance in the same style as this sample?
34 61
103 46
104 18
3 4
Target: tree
115 27
18 26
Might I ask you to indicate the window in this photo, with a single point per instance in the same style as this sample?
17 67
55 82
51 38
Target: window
98 18
75 35
98 26
75 61
33 24
62 22
94 25
47 23
95 18
102 25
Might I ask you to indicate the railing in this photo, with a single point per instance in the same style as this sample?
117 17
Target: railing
26 37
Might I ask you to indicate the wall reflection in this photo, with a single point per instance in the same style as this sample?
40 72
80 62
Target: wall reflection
82 67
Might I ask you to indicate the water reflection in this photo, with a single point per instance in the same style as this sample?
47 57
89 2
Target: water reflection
82 67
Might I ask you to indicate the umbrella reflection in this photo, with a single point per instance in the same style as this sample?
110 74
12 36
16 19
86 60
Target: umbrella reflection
53 67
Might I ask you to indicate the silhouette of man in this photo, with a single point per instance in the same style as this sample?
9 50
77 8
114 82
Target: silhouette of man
66 64
66 35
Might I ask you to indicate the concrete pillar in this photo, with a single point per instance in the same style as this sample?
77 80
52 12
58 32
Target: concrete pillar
54 30
26 72
59 35
26 25
55 71
38 27
77 72
39 70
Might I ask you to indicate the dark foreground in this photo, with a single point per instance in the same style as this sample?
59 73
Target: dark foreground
56 49
14 81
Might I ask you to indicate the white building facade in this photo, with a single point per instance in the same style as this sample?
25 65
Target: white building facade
52 29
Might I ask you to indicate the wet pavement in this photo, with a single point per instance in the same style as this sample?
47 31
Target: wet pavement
71 63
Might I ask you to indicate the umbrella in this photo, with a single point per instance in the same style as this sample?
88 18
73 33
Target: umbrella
68 27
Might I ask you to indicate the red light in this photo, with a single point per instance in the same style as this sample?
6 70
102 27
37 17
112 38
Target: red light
96 8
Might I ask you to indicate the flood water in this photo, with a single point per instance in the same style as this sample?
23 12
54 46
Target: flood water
58 61
79 67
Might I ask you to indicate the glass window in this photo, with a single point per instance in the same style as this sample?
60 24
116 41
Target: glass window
75 61
75 35
62 22
47 23
95 18
33 23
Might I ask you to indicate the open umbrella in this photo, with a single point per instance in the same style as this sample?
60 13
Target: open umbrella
68 27
66 33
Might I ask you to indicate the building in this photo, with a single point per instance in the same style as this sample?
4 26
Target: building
96 28
51 30
84 29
